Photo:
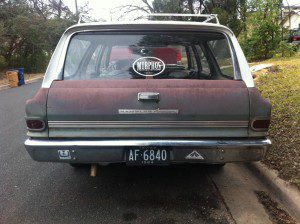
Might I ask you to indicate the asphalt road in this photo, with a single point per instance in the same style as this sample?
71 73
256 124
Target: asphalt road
32 192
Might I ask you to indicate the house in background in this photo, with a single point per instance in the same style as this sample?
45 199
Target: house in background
291 17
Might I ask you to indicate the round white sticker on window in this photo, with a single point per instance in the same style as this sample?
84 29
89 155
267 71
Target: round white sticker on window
148 66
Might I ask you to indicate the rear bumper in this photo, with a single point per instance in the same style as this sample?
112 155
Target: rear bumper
113 151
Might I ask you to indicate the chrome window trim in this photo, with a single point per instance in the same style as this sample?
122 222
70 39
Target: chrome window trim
54 68
243 64
235 64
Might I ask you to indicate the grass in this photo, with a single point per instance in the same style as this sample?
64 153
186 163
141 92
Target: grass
281 85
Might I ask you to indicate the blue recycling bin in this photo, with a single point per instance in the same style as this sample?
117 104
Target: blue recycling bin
21 76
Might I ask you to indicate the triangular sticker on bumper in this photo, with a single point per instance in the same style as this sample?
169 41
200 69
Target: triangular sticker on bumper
194 155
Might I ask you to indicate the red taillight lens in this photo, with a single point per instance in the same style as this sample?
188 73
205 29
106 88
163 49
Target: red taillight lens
35 125
178 56
260 125
296 38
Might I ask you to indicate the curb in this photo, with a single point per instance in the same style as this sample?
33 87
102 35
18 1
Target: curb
26 82
285 192
34 79
4 87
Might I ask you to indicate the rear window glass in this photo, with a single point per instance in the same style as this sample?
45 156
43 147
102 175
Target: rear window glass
221 53
148 56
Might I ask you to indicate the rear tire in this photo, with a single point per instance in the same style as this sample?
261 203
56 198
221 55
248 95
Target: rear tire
79 165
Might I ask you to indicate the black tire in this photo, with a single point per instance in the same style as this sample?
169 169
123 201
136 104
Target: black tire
79 165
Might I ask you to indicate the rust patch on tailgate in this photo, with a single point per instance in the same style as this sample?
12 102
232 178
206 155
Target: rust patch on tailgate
197 97
195 101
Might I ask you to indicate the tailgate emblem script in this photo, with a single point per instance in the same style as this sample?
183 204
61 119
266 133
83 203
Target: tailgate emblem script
194 155
157 111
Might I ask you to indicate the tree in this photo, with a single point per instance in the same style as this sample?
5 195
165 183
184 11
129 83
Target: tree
30 30
262 37
255 22
232 13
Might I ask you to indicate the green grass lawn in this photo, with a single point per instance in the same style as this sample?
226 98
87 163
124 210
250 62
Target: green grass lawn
281 85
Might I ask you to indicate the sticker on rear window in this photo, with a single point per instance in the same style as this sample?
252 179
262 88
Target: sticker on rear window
148 66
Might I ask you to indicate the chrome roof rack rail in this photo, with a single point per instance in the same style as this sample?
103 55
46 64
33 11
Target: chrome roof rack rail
207 17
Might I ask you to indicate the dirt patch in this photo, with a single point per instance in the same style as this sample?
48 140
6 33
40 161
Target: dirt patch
274 69
277 215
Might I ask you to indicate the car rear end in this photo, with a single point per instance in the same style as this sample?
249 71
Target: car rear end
295 36
146 94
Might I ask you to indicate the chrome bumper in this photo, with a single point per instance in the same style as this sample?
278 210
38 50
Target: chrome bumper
113 151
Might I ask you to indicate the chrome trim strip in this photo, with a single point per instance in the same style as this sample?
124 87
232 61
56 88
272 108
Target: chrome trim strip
156 142
146 124
157 111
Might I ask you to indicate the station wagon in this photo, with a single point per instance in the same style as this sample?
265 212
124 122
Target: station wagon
148 93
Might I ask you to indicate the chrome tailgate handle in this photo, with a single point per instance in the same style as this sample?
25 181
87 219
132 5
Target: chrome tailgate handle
148 96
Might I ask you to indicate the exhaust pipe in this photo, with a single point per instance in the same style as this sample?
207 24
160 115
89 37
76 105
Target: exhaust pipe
94 170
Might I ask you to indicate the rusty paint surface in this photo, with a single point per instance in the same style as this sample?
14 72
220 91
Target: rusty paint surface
195 99
36 106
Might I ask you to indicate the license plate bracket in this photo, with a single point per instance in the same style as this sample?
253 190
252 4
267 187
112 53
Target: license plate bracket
147 155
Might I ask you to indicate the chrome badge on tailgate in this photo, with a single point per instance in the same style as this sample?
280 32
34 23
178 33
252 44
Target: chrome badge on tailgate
157 111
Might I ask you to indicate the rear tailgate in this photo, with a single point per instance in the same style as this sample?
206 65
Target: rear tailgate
110 109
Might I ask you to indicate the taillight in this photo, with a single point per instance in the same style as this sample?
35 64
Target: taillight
35 124
296 38
178 56
260 124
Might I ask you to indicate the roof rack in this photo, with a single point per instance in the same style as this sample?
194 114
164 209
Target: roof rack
208 17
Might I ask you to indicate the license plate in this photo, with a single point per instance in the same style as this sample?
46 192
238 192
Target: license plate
148 156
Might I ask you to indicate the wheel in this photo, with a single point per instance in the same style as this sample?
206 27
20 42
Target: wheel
79 165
